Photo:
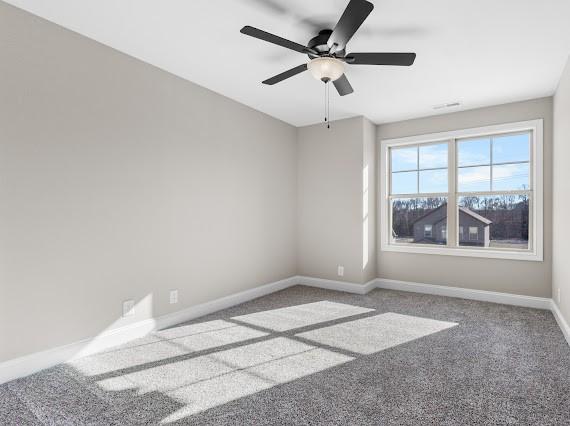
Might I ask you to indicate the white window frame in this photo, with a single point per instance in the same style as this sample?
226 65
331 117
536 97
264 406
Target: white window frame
426 235
536 249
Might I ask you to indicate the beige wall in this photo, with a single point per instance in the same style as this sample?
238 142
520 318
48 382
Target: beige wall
518 277
120 181
369 201
561 195
330 199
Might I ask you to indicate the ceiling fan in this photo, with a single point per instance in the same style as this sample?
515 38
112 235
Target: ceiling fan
327 51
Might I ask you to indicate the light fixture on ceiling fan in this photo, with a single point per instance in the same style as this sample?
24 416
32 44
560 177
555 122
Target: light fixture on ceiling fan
326 69
327 51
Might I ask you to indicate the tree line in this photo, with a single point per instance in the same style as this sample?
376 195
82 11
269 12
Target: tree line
509 214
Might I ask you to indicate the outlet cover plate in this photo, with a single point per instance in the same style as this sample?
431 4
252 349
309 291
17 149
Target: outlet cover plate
173 297
128 308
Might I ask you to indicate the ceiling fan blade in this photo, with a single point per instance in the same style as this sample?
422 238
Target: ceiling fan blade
343 86
285 75
399 59
271 38
350 21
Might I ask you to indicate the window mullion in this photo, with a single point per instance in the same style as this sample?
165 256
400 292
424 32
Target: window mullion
452 229
491 163
418 170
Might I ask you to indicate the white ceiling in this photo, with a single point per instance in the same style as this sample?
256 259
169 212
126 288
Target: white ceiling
479 53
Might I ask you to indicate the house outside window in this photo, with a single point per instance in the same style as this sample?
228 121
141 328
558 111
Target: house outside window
487 181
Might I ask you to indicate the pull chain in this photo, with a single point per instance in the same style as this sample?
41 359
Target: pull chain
327 105
326 110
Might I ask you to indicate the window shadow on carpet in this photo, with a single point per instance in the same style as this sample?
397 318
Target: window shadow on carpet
176 373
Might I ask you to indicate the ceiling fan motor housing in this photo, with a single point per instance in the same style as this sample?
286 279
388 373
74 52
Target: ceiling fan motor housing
319 44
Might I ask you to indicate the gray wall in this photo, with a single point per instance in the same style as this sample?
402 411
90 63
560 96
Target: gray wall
329 187
561 195
120 181
369 201
336 208
509 276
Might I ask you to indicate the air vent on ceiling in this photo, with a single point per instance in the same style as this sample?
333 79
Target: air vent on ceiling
449 105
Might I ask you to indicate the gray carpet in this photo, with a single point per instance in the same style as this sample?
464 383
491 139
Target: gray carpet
310 356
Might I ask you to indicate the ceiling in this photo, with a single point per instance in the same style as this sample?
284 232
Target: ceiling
478 53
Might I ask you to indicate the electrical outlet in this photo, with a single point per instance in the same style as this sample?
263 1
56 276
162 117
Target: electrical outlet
173 297
128 308
340 271
558 295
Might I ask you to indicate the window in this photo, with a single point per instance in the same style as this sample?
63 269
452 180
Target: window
419 169
475 192
408 228
473 233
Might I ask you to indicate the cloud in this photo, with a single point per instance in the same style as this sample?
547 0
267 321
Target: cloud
433 156
405 158
430 156
505 177
475 152
474 175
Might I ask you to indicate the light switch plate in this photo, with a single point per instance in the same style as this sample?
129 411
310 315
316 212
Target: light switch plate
340 271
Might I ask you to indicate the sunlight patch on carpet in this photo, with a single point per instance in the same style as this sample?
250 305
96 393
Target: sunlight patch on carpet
244 371
377 333
197 337
292 317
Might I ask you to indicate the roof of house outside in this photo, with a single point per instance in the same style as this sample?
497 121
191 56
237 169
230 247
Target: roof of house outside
463 209
475 215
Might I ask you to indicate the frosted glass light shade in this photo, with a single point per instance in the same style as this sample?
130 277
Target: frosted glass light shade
326 69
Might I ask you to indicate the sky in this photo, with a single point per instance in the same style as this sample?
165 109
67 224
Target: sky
505 157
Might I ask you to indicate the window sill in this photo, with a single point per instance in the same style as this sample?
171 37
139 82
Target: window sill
532 256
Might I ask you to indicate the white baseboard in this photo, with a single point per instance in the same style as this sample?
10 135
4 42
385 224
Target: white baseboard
347 287
561 321
29 364
198 311
464 293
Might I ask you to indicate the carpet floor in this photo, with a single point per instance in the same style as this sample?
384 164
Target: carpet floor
307 356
